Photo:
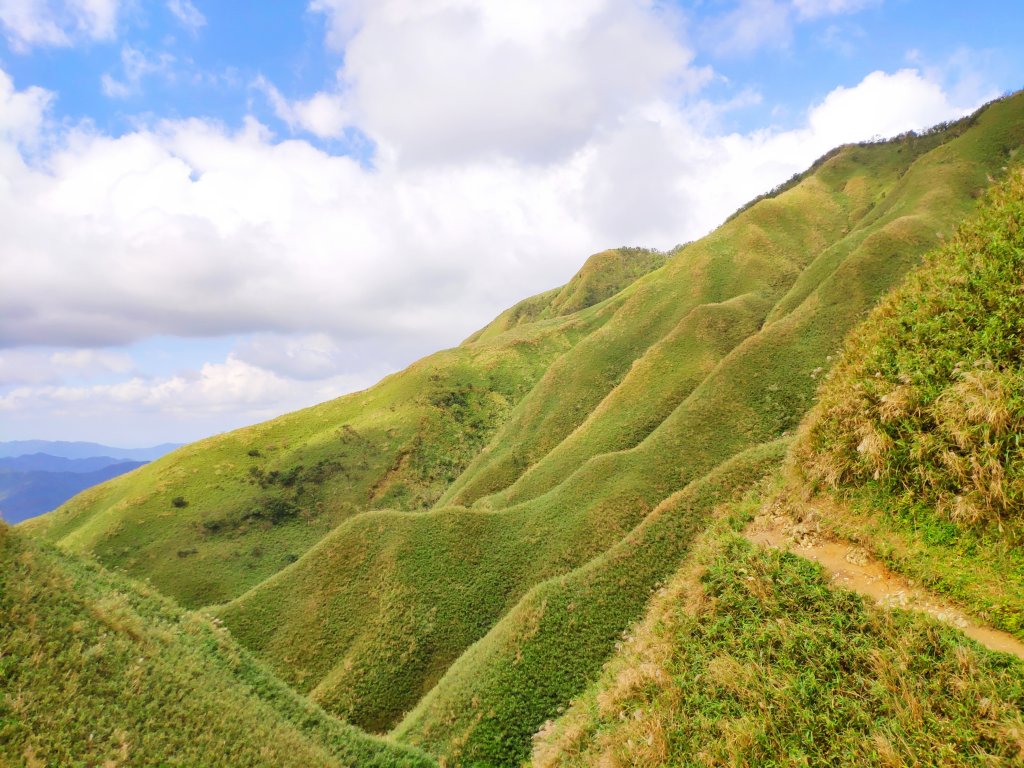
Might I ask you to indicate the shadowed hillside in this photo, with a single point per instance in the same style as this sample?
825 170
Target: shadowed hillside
452 554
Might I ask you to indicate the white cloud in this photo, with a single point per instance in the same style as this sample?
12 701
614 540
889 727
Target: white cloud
29 23
187 229
322 115
882 105
46 366
21 112
813 9
135 65
306 357
752 25
441 80
186 13
749 27
192 403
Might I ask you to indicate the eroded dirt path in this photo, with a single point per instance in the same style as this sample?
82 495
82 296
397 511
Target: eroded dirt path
851 566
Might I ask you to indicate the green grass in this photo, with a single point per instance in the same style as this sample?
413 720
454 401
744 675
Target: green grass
749 658
918 429
545 650
95 669
929 397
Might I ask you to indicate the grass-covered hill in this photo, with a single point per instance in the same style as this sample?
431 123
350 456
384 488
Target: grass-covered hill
98 670
748 657
917 438
214 518
751 657
450 556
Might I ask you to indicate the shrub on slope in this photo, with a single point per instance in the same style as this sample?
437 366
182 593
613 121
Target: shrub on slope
928 400
97 670
749 658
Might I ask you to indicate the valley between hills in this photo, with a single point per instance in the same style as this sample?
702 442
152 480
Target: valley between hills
540 547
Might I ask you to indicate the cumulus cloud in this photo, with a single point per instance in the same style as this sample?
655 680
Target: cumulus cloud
451 80
322 115
305 357
29 23
35 366
213 398
883 104
189 229
21 113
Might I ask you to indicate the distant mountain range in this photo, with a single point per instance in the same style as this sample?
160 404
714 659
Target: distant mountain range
39 475
81 450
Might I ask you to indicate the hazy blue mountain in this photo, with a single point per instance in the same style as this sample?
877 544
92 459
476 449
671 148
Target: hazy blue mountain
39 475
44 462
25 494
82 450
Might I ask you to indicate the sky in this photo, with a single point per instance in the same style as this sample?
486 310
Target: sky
215 212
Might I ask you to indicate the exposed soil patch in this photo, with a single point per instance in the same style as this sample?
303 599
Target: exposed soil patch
852 567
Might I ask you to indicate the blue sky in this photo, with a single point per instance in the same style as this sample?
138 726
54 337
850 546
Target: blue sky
216 212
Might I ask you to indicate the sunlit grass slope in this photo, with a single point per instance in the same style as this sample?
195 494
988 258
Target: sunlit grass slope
97 670
713 355
748 658
919 428
218 516
602 276
859 221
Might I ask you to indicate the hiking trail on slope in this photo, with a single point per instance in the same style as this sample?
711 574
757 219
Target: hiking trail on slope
852 567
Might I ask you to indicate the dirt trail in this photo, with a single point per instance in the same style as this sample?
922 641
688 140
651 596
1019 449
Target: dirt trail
851 566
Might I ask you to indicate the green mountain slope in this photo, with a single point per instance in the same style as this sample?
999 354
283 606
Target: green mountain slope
750 657
214 518
95 669
453 553
917 433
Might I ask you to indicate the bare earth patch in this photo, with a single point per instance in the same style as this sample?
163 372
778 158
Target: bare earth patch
852 567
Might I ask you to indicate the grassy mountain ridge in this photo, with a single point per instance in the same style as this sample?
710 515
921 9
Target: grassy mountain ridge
602 276
97 669
750 657
452 554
